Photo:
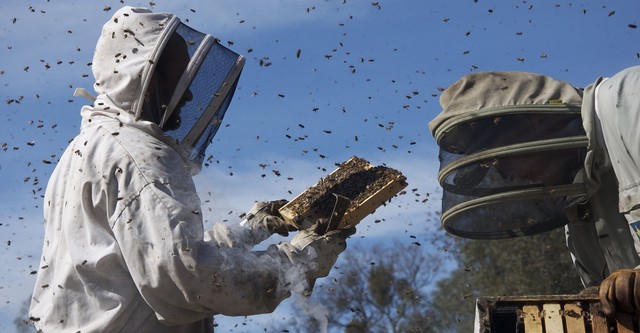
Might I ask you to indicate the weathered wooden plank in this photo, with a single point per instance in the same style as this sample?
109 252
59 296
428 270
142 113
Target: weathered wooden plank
574 318
552 318
532 319
365 185
599 322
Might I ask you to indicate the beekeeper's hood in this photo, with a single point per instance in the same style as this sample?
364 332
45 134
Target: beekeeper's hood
510 147
156 73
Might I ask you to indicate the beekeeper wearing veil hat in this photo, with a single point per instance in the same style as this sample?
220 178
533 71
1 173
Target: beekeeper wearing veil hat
124 246
523 153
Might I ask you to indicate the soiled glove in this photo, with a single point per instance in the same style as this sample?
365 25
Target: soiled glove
620 292
264 215
322 249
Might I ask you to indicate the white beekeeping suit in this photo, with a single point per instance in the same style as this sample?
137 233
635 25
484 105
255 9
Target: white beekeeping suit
124 247
618 109
599 236
614 104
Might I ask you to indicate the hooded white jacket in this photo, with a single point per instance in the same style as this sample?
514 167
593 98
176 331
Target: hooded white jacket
609 240
124 247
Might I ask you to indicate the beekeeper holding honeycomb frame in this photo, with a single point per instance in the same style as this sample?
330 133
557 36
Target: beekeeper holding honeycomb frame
125 248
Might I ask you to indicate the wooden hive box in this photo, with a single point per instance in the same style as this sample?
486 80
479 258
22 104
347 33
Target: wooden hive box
548 314
366 186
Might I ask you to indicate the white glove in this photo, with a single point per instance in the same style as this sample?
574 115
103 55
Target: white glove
265 216
321 250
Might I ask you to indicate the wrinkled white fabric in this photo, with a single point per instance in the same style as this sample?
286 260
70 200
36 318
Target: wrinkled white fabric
124 247
604 243
601 243
617 105
618 108
325 249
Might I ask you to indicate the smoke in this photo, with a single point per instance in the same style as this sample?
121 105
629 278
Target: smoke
237 249
301 289
236 235
261 249
317 311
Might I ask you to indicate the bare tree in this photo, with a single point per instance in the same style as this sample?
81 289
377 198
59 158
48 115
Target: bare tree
384 288
532 265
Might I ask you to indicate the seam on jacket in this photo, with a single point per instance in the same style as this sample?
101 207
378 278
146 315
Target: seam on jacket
138 169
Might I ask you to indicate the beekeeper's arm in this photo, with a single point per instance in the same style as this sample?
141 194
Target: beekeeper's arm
185 278
260 223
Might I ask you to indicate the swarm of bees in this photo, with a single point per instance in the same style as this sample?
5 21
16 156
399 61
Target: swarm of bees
297 91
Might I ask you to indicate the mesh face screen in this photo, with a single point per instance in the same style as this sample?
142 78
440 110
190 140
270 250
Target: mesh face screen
501 174
500 130
206 92
506 218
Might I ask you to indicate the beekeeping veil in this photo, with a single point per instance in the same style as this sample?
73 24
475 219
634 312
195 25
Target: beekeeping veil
510 146
158 69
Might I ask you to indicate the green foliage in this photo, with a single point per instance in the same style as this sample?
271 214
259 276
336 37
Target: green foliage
400 288
381 285
533 265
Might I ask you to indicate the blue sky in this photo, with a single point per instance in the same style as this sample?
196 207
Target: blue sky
324 81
